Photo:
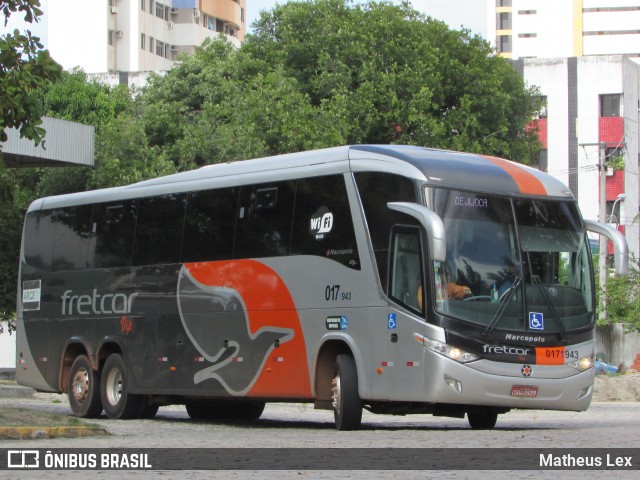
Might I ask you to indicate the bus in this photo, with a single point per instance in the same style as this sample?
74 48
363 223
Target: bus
395 279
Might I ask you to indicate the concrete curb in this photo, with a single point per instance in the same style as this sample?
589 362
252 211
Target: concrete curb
9 389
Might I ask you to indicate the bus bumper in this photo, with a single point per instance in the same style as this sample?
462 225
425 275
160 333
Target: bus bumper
515 386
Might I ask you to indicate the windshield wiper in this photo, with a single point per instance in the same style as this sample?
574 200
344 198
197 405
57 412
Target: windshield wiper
503 306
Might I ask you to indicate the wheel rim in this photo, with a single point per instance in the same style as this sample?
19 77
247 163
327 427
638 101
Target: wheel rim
114 386
337 392
80 385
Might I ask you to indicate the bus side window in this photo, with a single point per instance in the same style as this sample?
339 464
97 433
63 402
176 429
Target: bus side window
264 219
72 237
209 225
113 226
322 224
406 284
376 190
159 230
38 247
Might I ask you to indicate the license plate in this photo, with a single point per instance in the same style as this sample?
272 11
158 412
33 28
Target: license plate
529 391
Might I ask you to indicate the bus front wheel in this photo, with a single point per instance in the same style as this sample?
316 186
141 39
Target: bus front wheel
118 403
482 418
347 406
84 389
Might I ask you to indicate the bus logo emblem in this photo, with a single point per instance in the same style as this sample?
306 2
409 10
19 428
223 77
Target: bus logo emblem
321 223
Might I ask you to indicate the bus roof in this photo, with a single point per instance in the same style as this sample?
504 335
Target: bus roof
440 168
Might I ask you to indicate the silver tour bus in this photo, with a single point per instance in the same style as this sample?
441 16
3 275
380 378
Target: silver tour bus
391 278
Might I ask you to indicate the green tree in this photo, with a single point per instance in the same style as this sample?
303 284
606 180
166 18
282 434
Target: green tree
25 67
328 72
622 296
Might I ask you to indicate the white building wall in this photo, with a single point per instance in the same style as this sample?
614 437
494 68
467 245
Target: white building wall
630 207
549 24
7 350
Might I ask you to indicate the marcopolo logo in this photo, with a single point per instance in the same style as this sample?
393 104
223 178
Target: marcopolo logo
96 304
321 223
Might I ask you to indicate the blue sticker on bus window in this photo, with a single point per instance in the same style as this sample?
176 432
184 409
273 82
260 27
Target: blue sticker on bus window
391 321
536 321
344 323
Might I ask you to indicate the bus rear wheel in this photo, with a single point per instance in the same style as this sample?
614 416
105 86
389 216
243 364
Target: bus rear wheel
347 406
482 418
83 389
118 403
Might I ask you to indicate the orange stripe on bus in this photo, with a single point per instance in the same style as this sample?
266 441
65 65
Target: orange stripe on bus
527 182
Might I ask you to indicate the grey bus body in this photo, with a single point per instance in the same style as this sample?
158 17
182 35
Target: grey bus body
396 279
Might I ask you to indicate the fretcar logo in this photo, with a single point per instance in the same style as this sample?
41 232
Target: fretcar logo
321 223
109 303
499 349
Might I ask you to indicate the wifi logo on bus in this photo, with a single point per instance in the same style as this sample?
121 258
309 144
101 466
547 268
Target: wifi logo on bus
321 223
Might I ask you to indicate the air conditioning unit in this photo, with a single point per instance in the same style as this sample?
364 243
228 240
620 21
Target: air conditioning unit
196 13
114 10
170 25
173 11
119 34
173 48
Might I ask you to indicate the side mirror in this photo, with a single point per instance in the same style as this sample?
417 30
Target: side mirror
431 222
620 247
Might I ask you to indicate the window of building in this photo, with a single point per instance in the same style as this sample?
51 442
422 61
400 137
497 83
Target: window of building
142 41
504 44
159 48
610 105
159 10
111 37
504 21
242 15
527 12
142 4
541 161
151 44
527 35
504 3
151 5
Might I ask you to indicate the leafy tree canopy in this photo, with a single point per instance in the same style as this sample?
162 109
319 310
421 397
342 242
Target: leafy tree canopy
25 67
328 72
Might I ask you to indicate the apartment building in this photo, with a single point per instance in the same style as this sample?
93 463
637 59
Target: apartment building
584 56
137 35
564 28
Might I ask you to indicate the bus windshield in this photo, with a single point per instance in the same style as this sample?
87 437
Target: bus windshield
512 264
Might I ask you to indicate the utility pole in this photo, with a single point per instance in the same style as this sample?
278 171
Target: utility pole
604 242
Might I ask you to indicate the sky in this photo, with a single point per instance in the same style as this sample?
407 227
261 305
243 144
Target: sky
471 14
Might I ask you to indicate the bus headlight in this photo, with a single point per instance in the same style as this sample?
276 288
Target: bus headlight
447 350
585 363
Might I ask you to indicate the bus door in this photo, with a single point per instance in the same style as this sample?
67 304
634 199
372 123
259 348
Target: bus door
400 359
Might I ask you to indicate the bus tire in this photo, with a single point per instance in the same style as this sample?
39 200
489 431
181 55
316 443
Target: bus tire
84 389
482 418
147 409
347 406
118 403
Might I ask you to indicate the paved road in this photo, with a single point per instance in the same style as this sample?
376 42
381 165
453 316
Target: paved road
299 426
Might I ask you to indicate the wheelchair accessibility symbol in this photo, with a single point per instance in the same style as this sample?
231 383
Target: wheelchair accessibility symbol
391 319
536 321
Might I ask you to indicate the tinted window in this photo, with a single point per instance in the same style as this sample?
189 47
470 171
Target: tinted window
376 190
264 220
38 232
159 230
72 237
113 226
209 225
322 222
